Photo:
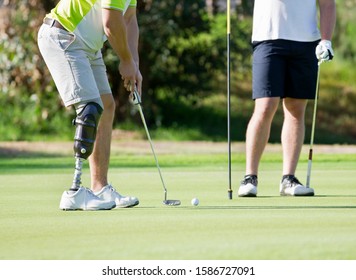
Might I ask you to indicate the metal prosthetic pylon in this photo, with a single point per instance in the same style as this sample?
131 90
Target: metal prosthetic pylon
77 180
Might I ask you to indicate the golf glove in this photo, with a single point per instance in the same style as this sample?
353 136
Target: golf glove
324 51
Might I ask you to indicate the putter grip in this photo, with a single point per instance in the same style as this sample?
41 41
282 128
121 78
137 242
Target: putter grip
229 192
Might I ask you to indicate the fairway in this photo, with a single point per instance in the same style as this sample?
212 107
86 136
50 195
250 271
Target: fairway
267 227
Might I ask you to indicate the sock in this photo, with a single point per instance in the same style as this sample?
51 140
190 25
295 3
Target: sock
73 189
288 176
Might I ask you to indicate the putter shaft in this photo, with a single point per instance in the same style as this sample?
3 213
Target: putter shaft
137 101
310 158
153 151
228 98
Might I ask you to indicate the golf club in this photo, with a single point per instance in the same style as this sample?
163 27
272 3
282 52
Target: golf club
310 158
136 100
228 96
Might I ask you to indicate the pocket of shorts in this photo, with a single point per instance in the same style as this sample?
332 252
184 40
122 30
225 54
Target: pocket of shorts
62 38
255 44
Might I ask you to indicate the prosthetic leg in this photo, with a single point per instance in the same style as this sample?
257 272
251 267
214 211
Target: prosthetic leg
86 124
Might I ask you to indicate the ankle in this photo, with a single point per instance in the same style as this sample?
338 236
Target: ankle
253 176
288 176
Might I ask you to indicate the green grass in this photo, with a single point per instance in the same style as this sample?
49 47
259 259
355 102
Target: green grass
266 227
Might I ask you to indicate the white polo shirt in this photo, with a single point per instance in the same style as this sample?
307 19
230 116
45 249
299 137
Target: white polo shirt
84 18
295 20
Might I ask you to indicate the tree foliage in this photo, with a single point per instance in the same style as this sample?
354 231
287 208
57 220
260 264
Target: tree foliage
28 98
182 52
182 58
345 34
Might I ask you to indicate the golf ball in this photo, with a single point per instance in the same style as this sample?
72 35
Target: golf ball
195 202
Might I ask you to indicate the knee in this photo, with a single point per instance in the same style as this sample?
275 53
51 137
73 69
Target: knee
86 124
109 105
295 108
265 112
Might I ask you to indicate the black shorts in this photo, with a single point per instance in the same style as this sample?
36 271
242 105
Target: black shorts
283 68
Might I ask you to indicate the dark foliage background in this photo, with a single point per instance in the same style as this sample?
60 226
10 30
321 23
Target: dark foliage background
183 62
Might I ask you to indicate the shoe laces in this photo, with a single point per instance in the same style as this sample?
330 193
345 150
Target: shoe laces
250 179
90 193
292 181
112 189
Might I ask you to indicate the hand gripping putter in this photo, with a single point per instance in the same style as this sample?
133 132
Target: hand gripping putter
136 100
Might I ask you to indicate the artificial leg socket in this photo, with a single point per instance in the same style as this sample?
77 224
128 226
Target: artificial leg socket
86 124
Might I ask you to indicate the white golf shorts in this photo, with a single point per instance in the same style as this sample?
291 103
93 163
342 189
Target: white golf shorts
78 72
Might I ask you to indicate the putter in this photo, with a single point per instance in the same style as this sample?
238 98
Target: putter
310 158
136 100
229 192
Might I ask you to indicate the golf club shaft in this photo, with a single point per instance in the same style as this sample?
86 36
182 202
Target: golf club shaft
310 158
228 96
153 151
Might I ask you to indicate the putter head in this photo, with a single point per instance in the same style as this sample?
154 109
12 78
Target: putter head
136 97
171 202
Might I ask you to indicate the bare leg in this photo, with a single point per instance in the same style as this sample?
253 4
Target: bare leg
258 132
99 159
293 132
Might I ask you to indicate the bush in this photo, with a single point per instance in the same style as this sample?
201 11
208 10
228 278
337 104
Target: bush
183 61
28 98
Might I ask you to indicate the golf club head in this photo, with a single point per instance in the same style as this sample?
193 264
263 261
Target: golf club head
171 202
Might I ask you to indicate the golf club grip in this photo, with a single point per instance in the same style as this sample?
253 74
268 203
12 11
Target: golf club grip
308 173
229 192
310 157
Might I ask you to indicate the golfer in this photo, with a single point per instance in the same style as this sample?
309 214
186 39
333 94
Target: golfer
70 41
287 45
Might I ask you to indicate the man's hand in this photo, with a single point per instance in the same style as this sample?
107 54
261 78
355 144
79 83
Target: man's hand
139 81
324 51
128 72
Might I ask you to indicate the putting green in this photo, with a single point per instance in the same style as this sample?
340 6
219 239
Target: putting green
266 227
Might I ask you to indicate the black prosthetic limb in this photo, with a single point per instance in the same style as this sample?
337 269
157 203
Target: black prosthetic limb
86 124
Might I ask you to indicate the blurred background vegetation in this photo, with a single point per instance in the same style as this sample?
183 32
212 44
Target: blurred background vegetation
183 62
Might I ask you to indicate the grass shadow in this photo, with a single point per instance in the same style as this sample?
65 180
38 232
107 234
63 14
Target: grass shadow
264 207
7 152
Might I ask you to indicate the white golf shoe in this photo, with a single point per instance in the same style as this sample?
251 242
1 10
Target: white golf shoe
248 187
83 199
108 193
290 186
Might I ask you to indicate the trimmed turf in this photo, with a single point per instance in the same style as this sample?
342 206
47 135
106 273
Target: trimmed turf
266 227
